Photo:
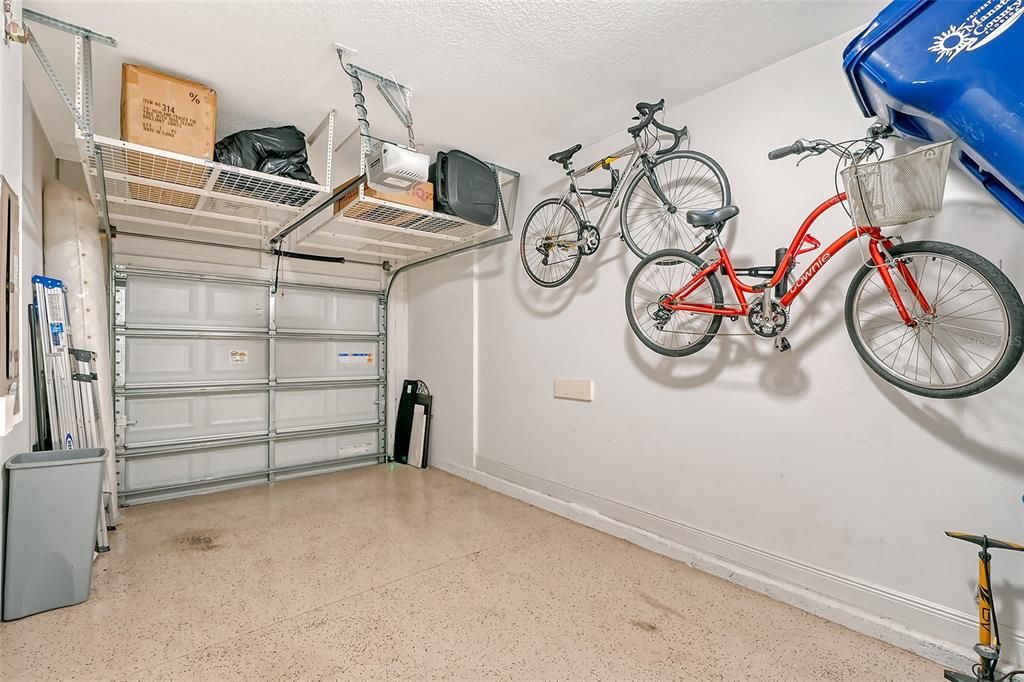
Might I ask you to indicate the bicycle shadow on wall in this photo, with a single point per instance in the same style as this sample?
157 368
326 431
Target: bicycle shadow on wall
947 420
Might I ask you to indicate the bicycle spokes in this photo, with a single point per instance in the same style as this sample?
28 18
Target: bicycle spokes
550 248
654 208
671 332
959 325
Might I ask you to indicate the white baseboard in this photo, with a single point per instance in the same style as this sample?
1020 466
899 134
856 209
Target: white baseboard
930 630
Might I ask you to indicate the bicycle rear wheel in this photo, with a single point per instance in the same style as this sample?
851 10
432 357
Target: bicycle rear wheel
970 341
689 180
672 333
549 247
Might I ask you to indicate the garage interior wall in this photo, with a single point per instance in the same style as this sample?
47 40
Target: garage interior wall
801 474
27 161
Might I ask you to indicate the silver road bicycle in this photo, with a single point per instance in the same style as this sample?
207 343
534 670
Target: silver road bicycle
660 185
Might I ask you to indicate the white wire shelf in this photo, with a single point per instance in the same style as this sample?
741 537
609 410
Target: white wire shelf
156 187
376 229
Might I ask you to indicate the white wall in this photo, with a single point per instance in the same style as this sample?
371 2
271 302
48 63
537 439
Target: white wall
10 163
26 160
802 474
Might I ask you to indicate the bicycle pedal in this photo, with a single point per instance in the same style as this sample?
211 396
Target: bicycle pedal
782 344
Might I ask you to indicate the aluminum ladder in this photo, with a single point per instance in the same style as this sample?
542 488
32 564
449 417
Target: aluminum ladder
70 385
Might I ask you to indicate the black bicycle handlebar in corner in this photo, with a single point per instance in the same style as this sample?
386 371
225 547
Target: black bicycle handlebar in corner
797 147
647 111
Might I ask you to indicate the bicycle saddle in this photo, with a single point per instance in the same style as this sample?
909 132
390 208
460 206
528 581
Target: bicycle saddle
709 217
992 542
563 157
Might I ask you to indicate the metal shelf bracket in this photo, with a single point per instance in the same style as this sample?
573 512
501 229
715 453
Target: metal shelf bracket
81 105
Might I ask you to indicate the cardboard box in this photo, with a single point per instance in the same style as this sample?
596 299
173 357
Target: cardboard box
419 196
166 112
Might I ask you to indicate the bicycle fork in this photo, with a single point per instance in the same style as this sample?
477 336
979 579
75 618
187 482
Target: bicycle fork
884 262
656 186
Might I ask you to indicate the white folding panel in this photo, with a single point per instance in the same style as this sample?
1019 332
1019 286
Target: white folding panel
153 419
297 451
155 301
304 408
180 360
323 310
310 359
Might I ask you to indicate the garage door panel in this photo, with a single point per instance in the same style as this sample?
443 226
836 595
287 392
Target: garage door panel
319 407
337 311
154 301
220 385
326 359
299 451
179 361
161 419
195 465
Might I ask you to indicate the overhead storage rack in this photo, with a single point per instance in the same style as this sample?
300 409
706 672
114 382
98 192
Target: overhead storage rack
155 187
394 233
136 185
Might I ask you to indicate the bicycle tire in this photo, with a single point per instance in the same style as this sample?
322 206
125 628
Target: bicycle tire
1010 308
524 251
698 239
706 336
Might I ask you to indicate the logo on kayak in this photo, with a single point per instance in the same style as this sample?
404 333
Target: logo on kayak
983 26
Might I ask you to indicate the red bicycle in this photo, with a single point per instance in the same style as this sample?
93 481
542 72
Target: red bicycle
929 317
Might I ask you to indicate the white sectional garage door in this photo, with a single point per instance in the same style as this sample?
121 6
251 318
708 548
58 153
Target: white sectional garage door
221 383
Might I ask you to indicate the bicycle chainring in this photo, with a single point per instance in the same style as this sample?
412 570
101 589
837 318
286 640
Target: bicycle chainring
590 240
772 327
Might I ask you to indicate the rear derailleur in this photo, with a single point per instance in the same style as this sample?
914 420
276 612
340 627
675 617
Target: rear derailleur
660 314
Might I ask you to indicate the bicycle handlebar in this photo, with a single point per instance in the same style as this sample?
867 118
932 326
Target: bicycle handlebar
797 147
985 541
647 111
878 131
679 135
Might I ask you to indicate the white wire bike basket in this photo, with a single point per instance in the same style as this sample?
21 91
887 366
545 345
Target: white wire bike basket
898 190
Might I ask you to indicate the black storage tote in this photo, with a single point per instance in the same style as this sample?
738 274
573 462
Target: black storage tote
465 186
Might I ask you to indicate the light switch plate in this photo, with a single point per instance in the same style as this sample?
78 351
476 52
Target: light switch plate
575 389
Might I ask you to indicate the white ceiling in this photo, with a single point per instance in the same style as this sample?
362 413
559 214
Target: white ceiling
509 80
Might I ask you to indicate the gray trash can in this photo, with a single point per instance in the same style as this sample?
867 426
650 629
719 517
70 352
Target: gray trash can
53 507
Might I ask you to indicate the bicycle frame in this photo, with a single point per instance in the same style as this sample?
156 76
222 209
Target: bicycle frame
802 243
639 162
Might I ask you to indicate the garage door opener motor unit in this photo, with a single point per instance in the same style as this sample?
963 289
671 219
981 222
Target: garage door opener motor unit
390 166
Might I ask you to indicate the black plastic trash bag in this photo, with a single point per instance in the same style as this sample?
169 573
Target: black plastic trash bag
277 151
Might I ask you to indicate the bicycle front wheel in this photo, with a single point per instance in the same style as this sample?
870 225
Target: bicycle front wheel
689 180
674 333
969 341
550 245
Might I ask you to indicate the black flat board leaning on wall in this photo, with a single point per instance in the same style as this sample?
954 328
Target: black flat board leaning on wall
413 393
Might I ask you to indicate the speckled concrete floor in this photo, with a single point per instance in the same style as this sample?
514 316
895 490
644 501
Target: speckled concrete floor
397 573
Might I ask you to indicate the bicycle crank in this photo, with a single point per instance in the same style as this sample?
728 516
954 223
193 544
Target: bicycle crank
770 325
590 240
